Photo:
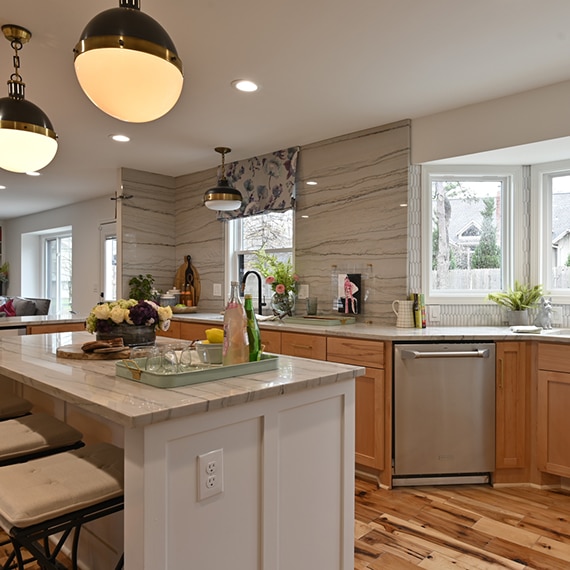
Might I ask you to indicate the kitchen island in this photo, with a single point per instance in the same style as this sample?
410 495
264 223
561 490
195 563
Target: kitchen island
287 440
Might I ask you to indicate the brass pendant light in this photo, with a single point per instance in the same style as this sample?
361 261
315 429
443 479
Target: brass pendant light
27 139
127 64
223 197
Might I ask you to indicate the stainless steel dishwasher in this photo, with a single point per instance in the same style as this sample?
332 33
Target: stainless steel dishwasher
444 413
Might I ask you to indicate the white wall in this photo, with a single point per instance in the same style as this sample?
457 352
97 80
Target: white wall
84 218
528 117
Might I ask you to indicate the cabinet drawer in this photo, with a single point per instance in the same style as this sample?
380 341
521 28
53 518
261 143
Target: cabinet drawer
553 356
172 332
195 331
55 328
304 345
354 351
271 340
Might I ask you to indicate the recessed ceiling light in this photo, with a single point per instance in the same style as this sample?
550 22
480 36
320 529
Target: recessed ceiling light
33 173
304 216
2 187
311 183
245 85
403 205
120 138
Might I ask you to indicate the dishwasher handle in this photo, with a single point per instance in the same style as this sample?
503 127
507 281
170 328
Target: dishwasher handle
477 353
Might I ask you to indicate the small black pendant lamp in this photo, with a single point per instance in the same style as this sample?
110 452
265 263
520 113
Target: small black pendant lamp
223 197
127 64
27 139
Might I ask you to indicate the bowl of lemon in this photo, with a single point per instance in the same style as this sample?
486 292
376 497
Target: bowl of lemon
210 350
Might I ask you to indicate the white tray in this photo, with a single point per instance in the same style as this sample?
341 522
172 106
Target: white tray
130 369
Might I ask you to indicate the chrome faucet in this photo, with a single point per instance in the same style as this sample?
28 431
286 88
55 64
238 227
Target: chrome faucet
260 303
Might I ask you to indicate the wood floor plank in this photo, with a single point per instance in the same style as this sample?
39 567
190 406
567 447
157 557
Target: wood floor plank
469 527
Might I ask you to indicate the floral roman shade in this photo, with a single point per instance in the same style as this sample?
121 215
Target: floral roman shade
267 183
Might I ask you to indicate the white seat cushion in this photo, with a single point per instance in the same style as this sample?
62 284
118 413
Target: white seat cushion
12 406
48 487
33 434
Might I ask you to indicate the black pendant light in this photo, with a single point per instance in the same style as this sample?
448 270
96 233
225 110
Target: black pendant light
127 64
223 197
27 139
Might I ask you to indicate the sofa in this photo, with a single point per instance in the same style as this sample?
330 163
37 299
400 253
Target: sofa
23 306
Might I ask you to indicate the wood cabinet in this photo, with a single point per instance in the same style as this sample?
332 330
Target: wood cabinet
55 328
195 331
172 332
511 411
553 409
304 345
370 395
271 341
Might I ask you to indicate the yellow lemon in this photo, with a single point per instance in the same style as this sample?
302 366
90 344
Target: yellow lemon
215 335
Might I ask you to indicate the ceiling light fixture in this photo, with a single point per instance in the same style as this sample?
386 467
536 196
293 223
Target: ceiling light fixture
27 138
120 138
127 64
223 197
245 85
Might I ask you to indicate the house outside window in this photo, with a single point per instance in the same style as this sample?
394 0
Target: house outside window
468 221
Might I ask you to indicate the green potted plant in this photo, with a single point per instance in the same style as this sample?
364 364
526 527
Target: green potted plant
517 301
142 287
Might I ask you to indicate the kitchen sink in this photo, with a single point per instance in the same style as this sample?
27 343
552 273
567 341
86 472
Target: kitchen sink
558 332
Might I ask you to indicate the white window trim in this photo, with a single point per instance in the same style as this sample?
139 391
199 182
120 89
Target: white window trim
541 221
512 228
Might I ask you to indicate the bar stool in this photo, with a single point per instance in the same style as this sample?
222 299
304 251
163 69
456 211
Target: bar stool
12 406
32 436
58 494
35 435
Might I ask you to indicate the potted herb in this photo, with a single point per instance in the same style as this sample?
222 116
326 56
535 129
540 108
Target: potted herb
142 287
517 301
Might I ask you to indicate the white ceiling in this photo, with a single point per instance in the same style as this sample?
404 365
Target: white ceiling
326 68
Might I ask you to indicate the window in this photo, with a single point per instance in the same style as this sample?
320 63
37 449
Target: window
272 231
467 232
58 265
551 225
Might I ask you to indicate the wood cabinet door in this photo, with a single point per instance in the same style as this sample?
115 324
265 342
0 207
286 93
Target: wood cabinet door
304 345
511 405
553 422
369 424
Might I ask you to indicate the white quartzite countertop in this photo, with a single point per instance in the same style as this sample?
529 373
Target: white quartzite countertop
92 385
389 333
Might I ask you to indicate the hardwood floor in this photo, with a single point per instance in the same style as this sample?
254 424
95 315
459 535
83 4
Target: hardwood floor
461 527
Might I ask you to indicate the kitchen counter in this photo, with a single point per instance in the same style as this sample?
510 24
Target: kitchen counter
387 332
269 427
23 322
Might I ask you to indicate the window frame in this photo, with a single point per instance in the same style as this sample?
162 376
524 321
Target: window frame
541 226
46 238
233 241
512 231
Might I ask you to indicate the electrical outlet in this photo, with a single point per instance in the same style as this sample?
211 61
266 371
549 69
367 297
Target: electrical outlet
434 315
304 292
217 292
210 474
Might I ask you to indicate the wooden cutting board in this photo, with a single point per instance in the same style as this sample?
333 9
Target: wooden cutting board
74 351
194 278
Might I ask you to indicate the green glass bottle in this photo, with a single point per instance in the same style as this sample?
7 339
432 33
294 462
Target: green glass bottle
253 333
